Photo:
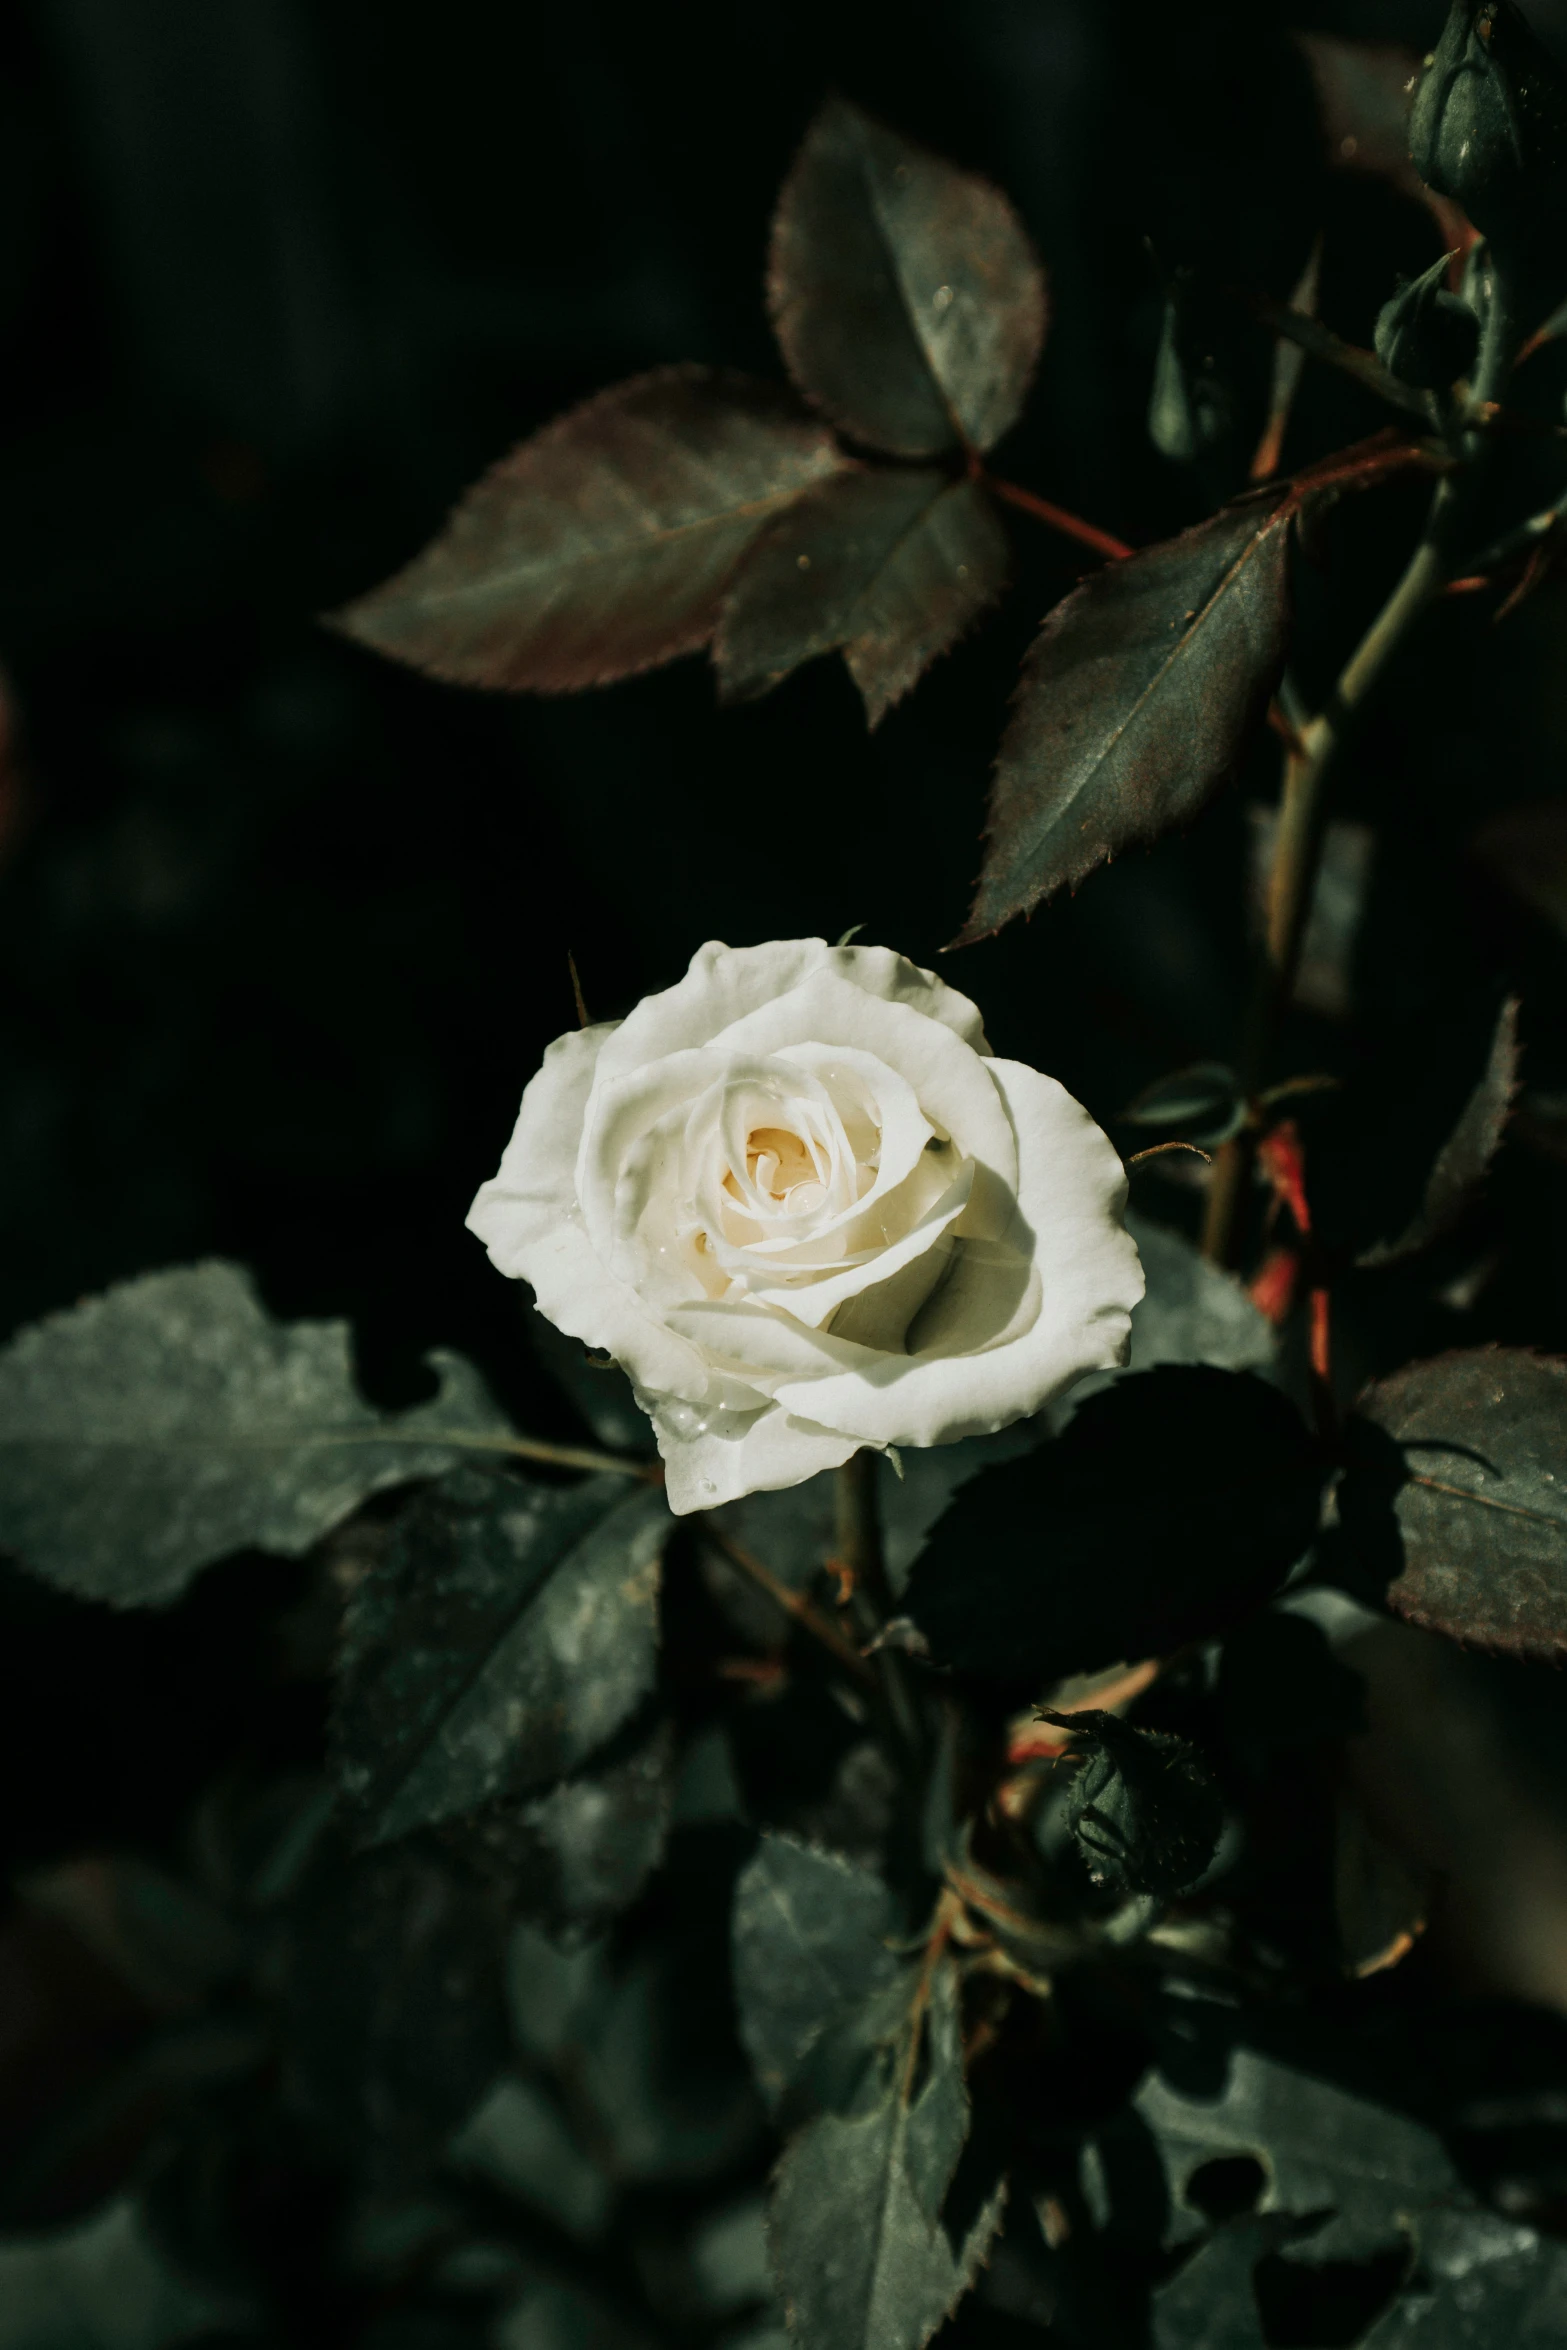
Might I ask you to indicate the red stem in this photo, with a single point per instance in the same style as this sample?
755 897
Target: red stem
1071 526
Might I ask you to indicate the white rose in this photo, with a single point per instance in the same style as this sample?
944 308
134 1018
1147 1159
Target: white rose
802 1205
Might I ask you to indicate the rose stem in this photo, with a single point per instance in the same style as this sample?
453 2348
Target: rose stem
858 1551
1297 849
1072 526
793 1603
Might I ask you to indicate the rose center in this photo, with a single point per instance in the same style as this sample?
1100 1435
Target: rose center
783 1170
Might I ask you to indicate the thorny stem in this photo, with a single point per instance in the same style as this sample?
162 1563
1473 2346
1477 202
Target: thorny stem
1297 848
857 1551
794 1603
1072 526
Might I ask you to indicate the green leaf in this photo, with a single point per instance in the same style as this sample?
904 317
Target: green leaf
891 566
905 295
556 2316
102 2285
1395 1156
1193 1311
866 2254
597 1387
1203 1103
171 1421
603 545
389 1975
1460 1165
553 1991
811 1944
1455 1503
671 2092
518 2141
508 1632
1135 703
1320 2149
1479 2281
1210 2304
577 1855
1173 1501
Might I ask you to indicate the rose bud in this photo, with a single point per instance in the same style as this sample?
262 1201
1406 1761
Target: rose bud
1426 335
801 1203
1142 1806
1489 125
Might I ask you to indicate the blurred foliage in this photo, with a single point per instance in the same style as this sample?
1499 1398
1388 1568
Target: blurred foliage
379 2026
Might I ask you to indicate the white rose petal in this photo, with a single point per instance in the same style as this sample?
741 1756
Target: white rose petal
802 1205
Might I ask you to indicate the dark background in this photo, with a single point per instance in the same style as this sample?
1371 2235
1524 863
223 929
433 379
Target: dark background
283 930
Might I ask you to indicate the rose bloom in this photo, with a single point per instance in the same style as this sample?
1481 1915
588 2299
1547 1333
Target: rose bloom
802 1204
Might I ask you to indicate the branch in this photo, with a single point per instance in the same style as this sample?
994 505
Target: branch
1070 525
794 1603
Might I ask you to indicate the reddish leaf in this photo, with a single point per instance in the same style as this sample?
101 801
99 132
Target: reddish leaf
1457 1494
891 565
604 544
1136 702
906 297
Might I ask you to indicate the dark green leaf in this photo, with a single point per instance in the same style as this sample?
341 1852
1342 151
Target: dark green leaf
1461 1163
1142 1806
866 2252
1426 335
598 1387
390 1978
1202 1104
558 2316
792 1531
1210 2304
1455 1503
672 2095
1321 2149
171 1944
1193 399
1480 2281
172 1421
1193 1311
1395 1156
892 566
578 1854
101 2285
518 2140
553 1992
811 1942
1136 702
603 545
1172 1502
508 1632
905 295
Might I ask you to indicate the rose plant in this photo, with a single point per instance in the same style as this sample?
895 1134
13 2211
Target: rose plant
906 1851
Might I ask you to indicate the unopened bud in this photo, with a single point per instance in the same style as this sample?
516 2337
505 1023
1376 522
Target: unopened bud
1489 126
1143 1807
1426 335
